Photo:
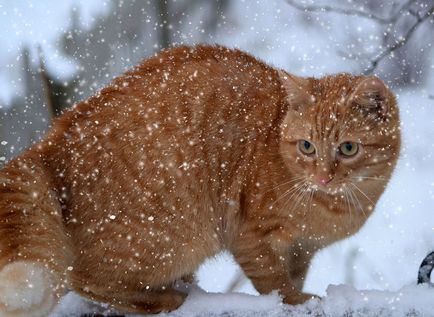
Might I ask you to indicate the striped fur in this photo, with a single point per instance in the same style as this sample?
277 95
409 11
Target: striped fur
189 153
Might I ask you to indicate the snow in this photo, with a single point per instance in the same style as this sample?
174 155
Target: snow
340 300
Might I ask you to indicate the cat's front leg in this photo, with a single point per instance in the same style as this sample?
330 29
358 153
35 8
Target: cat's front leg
267 267
300 256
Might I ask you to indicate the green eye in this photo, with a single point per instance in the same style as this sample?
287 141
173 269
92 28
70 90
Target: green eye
349 148
306 147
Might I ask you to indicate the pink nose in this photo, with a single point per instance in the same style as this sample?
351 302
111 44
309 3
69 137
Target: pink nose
324 180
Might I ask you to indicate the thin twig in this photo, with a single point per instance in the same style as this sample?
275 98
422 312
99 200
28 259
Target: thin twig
389 21
389 28
399 43
164 23
350 11
46 83
187 6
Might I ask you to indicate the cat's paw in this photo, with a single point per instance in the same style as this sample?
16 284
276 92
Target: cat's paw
299 298
25 290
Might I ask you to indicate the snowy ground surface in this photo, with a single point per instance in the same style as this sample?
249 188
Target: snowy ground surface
340 301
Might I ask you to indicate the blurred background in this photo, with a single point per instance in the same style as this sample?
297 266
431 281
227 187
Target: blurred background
56 53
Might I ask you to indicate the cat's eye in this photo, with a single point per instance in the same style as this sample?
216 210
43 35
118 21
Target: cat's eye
306 147
348 149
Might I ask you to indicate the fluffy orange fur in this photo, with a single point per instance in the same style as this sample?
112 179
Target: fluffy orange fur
196 150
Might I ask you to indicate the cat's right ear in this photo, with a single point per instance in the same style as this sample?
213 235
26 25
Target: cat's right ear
372 97
297 90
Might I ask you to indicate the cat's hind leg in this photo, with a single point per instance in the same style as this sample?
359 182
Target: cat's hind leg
145 302
33 245
26 290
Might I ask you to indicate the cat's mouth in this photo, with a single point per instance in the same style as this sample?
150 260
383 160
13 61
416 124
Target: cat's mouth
330 188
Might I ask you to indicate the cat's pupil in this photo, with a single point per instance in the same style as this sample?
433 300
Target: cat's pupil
307 145
349 147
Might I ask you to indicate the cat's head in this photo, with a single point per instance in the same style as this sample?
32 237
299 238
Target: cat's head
340 132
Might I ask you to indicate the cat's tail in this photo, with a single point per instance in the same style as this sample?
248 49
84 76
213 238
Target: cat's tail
34 249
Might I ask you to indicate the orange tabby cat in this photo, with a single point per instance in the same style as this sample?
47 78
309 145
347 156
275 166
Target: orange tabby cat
196 150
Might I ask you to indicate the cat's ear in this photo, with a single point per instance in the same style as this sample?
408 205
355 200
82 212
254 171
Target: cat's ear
297 90
371 96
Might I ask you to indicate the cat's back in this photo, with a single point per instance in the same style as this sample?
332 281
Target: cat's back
190 68
181 95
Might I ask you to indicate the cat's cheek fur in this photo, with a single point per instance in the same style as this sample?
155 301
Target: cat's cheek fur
26 290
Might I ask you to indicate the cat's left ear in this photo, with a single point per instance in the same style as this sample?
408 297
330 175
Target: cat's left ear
297 90
371 96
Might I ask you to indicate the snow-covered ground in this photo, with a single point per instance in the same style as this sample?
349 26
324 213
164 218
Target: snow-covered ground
414 301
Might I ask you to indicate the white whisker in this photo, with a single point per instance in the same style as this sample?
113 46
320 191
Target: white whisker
357 187
362 178
290 191
295 194
290 181
359 204
347 199
305 195
310 201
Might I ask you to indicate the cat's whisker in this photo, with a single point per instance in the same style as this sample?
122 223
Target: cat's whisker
356 199
375 177
306 199
313 191
300 196
361 178
298 199
360 204
362 192
288 199
290 181
294 193
350 196
292 189
346 196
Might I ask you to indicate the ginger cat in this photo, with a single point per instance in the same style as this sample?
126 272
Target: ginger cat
196 150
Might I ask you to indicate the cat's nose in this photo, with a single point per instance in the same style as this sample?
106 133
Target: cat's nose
323 179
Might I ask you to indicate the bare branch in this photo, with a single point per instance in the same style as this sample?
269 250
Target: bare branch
405 7
400 43
164 23
46 83
414 13
219 8
188 6
389 22
349 11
